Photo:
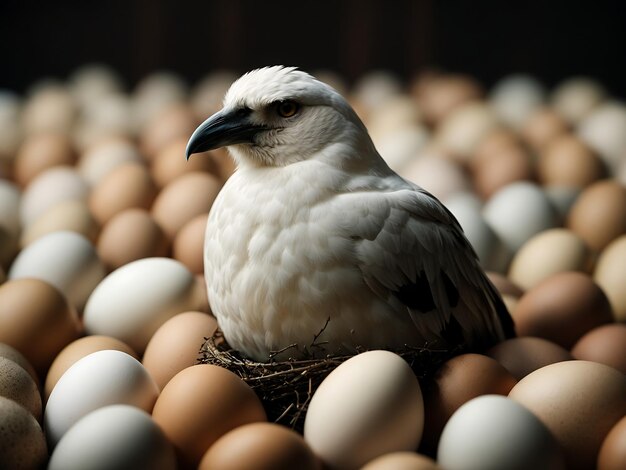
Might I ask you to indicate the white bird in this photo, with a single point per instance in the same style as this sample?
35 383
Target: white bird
315 245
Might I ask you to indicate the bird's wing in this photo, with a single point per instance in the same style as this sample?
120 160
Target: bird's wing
412 253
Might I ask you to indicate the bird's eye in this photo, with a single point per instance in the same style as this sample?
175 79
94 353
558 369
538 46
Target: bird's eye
287 108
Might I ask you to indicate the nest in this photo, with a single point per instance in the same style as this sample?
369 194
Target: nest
285 387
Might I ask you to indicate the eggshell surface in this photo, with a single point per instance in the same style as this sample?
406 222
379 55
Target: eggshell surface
22 443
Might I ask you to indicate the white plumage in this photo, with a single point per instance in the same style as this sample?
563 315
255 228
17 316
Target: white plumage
315 235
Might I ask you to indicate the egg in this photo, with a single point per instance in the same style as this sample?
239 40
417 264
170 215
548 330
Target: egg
579 402
133 301
260 446
100 158
610 275
523 355
22 443
78 349
208 93
37 320
457 381
604 130
10 128
543 126
170 124
41 152
9 352
515 97
16 384
463 129
439 176
400 147
73 216
347 428
612 454
493 432
130 235
605 344
170 163
199 405
99 379
376 88
49 108
567 161
496 170
10 200
558 249
176 345
114 437
517 212
576 97
126 186
52 186
401 461
188 246
93 80
396 112
562 308
504 285
184 198
154 94
599 214
102 118
65 259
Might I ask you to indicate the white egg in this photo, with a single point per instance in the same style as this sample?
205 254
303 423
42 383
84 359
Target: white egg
65 259
438 175
400 147
515 97
133 301
115 437
517 212
604 130
99 379
368 406
55 185
493 432
102 158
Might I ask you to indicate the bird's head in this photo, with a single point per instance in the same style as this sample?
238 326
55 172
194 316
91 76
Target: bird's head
276 116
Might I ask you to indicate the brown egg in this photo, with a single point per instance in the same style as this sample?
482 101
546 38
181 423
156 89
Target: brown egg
438 95
199 405
260 446
521 356
579 402
562 308
500 168
40 152
605 344
558 249
176 345
567 161
542 127
610 275
457 381
74 216
37 320
504 285
612 454
402 461
130 235
188 246
494 143
599 214
22 443
16 384
13 354
183 199
172 123
127 186
77 350
201 295
225 164
170 162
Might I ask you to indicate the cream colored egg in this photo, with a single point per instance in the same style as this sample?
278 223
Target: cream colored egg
99 379
576 97
610 275
104 117
51 187
154 93
376 88
402 461
547 253
133 301
67 260
347 427
438 175
49 108
73 216
604 130
172 123
401 146
101 158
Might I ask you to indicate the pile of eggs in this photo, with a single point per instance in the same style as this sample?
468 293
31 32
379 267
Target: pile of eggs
103 308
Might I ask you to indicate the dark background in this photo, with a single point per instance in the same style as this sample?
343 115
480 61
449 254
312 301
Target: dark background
486 39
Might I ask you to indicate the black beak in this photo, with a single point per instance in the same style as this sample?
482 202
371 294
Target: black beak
222 129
